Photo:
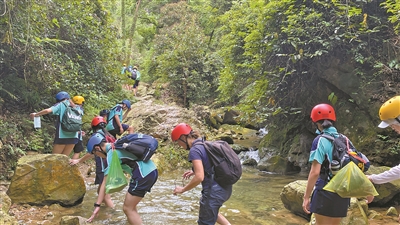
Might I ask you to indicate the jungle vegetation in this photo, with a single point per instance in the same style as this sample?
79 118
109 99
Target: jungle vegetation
254 55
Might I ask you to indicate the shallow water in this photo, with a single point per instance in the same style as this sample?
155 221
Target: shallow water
255 200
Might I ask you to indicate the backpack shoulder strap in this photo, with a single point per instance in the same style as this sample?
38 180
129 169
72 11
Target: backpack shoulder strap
327 136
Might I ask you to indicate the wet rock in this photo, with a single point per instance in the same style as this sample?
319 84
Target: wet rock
275 164
230 117
72 220
292 197
250 162
46 179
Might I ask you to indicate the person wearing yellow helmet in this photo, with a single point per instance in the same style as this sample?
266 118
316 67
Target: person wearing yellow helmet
79 101
389 113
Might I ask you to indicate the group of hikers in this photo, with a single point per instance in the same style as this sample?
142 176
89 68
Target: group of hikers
105 129
329 207
132 74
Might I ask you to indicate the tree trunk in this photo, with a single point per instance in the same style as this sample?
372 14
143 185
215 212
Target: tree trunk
132 32
123 24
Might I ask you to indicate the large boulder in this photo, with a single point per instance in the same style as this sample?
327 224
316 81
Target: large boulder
45 179
292 199
387 190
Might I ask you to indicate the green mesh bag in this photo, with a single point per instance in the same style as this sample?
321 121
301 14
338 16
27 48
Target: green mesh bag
349 182
116 180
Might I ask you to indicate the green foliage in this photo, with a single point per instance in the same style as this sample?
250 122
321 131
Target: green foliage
180 56
54 46
171 157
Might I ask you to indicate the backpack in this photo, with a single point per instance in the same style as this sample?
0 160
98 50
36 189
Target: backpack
71 120
141 145
227 168
133 75
344 152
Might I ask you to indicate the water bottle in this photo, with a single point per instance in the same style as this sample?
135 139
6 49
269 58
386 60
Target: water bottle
335 166
36 122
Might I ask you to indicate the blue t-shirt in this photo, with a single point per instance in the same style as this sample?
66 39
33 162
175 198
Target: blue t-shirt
137 75
144 167
59 109
116 110
322 147
198 152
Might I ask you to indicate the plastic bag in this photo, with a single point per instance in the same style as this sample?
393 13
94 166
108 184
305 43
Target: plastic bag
349 182
116 180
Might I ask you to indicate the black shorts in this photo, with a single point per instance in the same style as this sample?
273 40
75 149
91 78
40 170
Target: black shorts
114 132
329 204
139 185
78 147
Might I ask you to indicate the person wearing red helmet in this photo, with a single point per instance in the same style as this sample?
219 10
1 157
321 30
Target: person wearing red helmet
98 127
328 207
213 195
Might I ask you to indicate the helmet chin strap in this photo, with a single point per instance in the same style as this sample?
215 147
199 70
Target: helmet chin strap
186 142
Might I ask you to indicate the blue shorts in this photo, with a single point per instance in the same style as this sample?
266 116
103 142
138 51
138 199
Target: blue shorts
210 202
328 203
114 132
139 185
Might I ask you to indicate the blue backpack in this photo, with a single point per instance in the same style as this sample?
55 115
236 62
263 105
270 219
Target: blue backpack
141 145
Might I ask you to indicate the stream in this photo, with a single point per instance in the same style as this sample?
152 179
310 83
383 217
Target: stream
255 200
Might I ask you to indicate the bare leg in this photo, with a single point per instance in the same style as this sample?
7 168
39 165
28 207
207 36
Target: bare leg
68 149
325 220
130 130
58 148
222 220
107 200
130 209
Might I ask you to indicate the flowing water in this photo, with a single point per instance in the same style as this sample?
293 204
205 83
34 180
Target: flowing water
255 200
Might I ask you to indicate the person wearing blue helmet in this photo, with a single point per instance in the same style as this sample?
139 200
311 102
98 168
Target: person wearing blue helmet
115 117
143 177
64 141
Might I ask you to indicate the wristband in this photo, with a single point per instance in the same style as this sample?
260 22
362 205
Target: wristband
96 205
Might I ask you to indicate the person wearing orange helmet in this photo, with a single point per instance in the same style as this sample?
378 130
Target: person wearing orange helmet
213 195
328 207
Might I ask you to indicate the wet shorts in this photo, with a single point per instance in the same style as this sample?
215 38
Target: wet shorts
78 147
210 202
329 204
139 185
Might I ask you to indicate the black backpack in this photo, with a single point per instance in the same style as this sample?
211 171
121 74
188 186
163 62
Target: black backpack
71 120
141 145
344 152
227 168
